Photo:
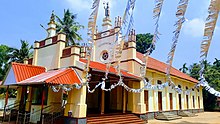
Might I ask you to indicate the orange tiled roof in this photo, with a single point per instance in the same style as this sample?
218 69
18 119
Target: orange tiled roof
102 67
61 76
160 66
24 71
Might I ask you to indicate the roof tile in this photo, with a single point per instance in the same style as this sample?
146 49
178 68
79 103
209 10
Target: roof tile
24 71
160 66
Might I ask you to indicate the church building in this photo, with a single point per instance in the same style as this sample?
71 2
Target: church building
55 64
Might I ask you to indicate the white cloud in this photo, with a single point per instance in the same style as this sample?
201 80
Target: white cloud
194 27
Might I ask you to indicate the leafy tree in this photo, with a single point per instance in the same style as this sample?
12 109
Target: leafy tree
70 27
194 70
143 42
19 55
212 75
4 59
184 69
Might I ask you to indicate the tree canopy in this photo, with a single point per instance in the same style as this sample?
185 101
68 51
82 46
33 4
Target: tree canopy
143 42
70 27
212 75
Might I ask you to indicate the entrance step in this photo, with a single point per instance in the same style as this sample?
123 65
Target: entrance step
186 114
115 119
167 116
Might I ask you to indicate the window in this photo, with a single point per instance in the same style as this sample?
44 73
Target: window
179 86
187 88
147 79
159 82
104 55
37 95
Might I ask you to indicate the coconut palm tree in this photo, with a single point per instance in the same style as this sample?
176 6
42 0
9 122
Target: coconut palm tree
70 27
19 55
216 62
184 69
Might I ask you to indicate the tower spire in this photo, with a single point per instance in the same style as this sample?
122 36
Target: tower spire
52 26
52 17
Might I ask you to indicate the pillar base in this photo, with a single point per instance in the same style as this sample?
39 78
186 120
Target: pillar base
71 120
139 108
78 111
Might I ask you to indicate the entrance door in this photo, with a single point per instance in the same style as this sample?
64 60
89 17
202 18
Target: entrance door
199 102
171 101
146 99
180 103
187 101
160 101
193 102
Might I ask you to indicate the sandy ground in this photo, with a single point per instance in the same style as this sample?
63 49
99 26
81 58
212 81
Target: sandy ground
202 118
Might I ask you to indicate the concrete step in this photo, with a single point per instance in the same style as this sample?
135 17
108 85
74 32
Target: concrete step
186 114
167 116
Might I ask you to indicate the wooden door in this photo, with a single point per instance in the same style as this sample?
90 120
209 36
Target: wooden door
193 101
199 102
187 101
160 101
171 101
146 99
180 103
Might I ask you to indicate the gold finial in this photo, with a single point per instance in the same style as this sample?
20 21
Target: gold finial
52 18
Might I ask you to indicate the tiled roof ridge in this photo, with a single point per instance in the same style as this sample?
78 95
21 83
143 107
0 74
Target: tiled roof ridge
172 68
35 66
64 71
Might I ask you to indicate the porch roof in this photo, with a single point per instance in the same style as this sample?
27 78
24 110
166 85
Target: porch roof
61 76
102 67
19 72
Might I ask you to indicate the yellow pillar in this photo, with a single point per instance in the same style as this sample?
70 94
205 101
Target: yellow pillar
18 96
55 102
29 100
139 107
76 103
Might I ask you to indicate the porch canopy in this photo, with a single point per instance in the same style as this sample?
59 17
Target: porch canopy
23 74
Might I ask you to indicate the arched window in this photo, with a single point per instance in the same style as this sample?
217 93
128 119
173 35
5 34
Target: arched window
159 82
179 86
187 88
147 79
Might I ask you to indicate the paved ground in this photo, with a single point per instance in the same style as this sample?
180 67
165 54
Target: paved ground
202 118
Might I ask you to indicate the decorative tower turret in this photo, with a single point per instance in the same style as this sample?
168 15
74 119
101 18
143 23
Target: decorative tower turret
52 26
106 21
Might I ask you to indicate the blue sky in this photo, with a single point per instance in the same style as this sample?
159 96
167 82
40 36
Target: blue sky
22 19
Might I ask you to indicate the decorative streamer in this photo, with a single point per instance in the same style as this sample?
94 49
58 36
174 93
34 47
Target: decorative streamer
119 46
119 42
156 15
91 32
181 10
207 38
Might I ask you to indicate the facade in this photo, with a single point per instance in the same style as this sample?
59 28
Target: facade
53 64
